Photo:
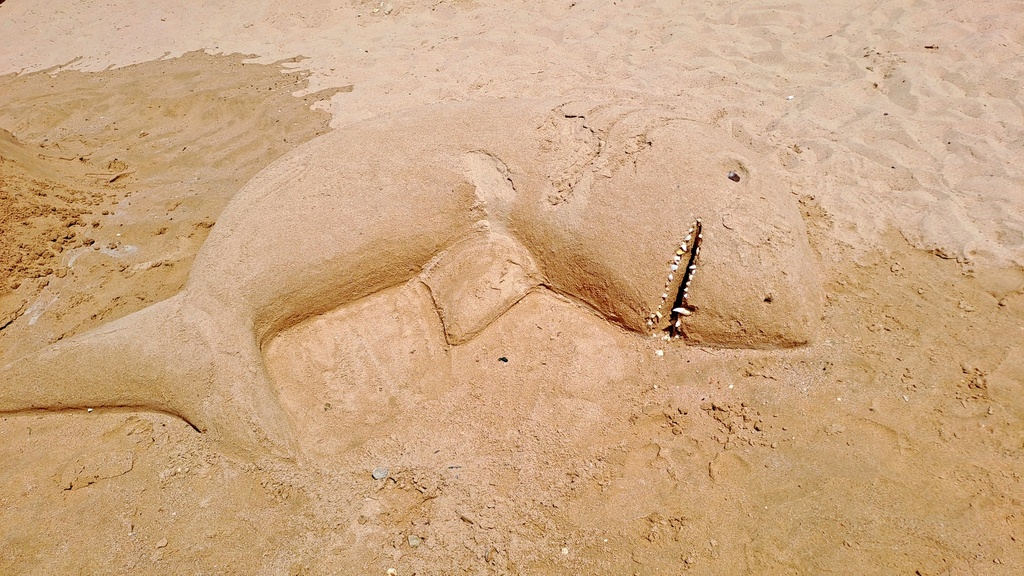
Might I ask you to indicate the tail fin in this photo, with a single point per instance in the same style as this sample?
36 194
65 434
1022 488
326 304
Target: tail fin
166 358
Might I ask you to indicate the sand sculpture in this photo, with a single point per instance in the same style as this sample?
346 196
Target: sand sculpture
481 202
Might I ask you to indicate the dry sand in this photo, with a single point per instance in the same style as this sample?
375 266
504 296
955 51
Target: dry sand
888 444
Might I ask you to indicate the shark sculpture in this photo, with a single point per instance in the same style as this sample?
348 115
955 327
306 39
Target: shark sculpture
587 200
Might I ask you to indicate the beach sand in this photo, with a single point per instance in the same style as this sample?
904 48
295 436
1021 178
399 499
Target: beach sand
553 438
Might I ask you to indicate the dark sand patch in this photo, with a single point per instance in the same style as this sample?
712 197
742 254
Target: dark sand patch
111 181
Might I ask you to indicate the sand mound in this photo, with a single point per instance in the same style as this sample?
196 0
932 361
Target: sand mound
600 196
498 198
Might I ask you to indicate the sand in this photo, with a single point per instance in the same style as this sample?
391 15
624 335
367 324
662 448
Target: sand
848 397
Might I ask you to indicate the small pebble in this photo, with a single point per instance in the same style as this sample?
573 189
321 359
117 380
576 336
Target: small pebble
414 540
162 543
733 176
659 352
380 473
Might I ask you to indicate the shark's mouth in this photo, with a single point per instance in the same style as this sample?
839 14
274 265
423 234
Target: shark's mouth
690 249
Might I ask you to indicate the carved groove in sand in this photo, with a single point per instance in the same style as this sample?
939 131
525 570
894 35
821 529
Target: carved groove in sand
481 203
